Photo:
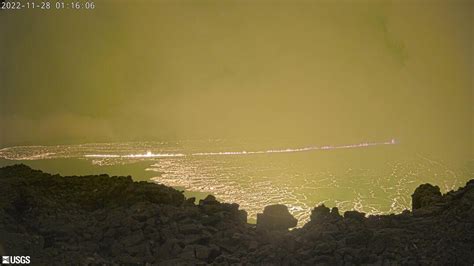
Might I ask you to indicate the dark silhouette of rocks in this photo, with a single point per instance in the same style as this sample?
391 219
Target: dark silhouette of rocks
275 217
113 220
425 195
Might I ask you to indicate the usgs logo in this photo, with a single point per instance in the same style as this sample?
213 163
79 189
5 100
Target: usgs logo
15 259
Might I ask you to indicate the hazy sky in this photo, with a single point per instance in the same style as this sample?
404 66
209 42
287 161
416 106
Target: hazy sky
319 72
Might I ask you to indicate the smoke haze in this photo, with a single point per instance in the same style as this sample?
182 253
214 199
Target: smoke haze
314 72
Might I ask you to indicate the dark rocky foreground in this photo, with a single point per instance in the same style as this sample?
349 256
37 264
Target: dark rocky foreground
113 220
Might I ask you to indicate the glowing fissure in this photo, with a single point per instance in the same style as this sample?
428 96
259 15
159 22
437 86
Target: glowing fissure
288 150
145 155
312 148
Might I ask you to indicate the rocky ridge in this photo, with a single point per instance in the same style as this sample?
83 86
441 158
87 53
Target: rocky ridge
113 220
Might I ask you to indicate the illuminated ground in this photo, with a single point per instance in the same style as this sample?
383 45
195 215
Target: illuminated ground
374 179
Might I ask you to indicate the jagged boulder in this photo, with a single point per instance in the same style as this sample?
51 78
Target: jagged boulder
354 215
322 214
275 217
209 200
217 210
425 195
319 213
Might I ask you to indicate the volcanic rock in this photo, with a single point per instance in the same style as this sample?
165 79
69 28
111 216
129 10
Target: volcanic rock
425 195
112 220
275 217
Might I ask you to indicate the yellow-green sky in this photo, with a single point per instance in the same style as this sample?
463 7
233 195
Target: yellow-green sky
319 72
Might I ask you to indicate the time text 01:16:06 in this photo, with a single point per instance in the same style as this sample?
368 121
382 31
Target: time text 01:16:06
46 5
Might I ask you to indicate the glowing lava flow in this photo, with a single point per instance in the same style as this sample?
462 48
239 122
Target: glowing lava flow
149 154
311 148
